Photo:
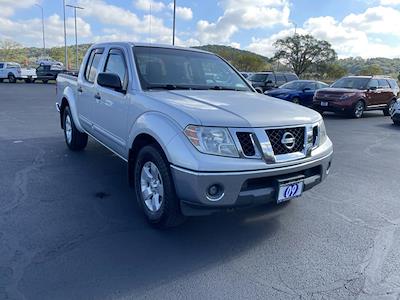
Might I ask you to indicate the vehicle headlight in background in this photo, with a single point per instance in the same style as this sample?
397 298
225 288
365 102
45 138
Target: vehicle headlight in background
212 140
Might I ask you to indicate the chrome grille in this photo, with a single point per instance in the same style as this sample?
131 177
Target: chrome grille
276 135
246 143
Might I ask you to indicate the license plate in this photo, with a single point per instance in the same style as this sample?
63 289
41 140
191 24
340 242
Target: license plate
324 103
290 190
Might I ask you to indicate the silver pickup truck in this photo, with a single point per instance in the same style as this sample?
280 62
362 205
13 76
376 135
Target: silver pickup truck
196 136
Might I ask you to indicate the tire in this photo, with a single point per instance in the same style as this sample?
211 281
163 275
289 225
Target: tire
387 110
397 123
1 80
11 78
75 140
45 81
358 110
296 100
152 176
28 80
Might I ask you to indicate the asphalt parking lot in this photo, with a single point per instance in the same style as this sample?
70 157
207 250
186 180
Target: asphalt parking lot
70 227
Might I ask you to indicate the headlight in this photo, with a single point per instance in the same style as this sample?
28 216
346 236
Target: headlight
322 132
348 95
212 140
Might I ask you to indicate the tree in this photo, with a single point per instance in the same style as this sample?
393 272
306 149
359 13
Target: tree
8 50
374 69
335 71
301 52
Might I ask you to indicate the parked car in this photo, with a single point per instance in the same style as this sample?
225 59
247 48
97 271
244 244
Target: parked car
270 80
246 74
12 72
355 94
47 72
395 113
192 147
297 91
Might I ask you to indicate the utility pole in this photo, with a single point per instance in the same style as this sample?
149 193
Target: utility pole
76 34
295 27
65 40
173 29
44 41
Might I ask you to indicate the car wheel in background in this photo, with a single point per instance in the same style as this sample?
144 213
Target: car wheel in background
1 80
74 139
296 100
358 110
397 123
12 79
45 81
154 188
28 80
389 108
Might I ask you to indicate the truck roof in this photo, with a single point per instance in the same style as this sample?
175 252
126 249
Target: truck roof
134 44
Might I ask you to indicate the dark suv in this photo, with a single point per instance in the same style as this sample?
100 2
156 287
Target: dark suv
355 94
270 80
48 72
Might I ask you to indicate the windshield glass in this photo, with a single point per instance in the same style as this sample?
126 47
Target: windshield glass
258 77
298 85
181 69
351 83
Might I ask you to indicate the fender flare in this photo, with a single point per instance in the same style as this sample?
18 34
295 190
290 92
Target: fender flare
70 100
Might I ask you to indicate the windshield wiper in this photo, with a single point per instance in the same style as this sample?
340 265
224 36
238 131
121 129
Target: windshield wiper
169 87
224 88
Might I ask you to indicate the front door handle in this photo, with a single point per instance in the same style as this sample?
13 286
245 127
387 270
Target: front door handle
80 90
97 96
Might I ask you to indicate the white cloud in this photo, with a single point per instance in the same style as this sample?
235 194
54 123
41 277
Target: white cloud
29 32
148 5
8 7
184 13
390 2
243 14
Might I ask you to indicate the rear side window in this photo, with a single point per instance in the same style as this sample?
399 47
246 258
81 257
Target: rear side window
291 77
373 84
392 82
116 64
280 79
383 84
1 66
93 65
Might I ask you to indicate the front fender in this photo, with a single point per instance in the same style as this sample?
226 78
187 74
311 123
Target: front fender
70 97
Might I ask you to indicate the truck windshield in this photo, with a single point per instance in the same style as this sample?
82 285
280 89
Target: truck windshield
351 83
165 68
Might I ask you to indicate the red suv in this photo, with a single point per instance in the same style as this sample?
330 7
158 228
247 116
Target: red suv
356 94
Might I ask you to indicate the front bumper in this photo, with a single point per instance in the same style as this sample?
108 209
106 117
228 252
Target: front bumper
396 112
334 105
242 188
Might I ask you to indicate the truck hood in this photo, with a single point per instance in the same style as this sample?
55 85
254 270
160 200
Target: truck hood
237 109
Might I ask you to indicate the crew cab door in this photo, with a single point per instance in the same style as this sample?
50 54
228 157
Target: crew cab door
86 89
386 92
111 113
2 74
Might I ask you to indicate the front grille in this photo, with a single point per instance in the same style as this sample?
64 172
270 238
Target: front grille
246 143
276 135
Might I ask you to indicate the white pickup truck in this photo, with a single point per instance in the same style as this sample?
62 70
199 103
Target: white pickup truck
13 72
195 134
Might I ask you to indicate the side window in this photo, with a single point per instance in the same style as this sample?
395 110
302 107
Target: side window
116 64
1 66
383 84
270 77
373 84
280 79
93 65
392 82
291 77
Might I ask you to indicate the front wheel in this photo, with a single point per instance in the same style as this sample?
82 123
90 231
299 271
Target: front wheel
397 123
155 189
388 110
296 100
358 110
12 79
45 81
74 139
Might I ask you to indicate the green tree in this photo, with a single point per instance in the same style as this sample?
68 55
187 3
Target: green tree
374 69
301 52
334 71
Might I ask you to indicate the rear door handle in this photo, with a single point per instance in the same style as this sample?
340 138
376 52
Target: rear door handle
97 96
80 90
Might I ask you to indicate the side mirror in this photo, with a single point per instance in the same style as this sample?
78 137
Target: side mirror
307 89
259 90
109 80
372 88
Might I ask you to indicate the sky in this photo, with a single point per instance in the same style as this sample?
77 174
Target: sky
366 28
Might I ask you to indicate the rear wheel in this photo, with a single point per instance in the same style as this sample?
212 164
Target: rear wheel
358 110
74 139
1 80
11 78
28 80
397 123
45 81
387 111
155 189
296 100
